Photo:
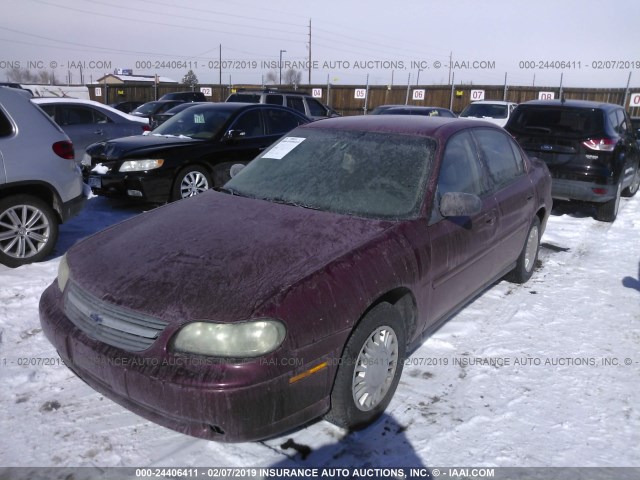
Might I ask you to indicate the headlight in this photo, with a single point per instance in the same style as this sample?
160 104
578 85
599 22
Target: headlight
63 273
236 340
141 165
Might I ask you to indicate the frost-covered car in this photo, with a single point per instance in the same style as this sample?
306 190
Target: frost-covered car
297 289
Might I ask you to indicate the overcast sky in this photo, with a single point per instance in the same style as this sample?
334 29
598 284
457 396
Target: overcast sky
391 42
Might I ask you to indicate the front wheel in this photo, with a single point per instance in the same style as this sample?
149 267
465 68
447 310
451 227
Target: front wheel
527 260
28 230
370 369
189 182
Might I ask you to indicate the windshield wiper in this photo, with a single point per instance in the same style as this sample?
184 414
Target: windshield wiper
292 203
230 191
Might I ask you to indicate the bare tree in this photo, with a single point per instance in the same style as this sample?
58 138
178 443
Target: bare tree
292 77
18 75
271 77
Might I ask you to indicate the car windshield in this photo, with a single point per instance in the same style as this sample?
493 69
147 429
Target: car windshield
367 174
146 108
194 122
560 121
482 110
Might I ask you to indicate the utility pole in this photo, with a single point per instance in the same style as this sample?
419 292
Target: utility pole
309 51
220 65
450 62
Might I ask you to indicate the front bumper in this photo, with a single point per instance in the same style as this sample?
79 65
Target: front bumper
176 394
151 186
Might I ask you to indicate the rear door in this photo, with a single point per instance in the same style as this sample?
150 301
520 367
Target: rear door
463 249
512 188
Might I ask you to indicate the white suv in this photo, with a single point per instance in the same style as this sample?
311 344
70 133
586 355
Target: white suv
492 111
40 184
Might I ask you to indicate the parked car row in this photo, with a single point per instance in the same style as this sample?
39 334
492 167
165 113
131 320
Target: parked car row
294 289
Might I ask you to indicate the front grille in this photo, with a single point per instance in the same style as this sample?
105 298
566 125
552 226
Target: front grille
111 324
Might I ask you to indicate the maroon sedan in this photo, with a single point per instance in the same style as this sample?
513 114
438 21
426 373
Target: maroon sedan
297 290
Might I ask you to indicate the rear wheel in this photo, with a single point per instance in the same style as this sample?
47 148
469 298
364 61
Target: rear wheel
28 230
608 211
189 182
632 189
370 369
527 260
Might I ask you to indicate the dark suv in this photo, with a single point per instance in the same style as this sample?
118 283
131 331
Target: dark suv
589 147
300 101
185 96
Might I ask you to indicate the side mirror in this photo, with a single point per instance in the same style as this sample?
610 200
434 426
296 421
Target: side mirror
233 134
235 169
458 204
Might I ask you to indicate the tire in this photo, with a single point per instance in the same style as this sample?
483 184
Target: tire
608 211
632 189
370 369
526 263
189 182
28 230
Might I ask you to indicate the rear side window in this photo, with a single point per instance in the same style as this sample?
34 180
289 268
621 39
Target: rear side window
244 97
81 116
500 156
558 121
6 128
281 121
316 109
296 103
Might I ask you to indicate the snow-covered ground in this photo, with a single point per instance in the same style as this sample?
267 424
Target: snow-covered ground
543 374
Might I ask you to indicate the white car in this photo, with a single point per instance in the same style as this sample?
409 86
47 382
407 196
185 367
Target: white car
493 111
87 122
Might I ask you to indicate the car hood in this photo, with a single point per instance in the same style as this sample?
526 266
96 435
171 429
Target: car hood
216 256
136 145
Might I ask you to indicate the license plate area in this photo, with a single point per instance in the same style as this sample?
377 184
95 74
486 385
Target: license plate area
95 182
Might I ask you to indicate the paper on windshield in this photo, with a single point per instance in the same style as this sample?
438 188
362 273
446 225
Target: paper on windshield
284 147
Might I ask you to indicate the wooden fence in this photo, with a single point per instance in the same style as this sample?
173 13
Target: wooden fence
342 97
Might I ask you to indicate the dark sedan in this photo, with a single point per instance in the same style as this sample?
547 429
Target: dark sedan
149 109
416 110
298 288
189 153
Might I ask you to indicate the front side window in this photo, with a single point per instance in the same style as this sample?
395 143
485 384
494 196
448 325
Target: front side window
250 123
460 170
274 99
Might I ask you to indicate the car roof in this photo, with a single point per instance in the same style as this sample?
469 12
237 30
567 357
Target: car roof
82 101
494 102
572 104
401 124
